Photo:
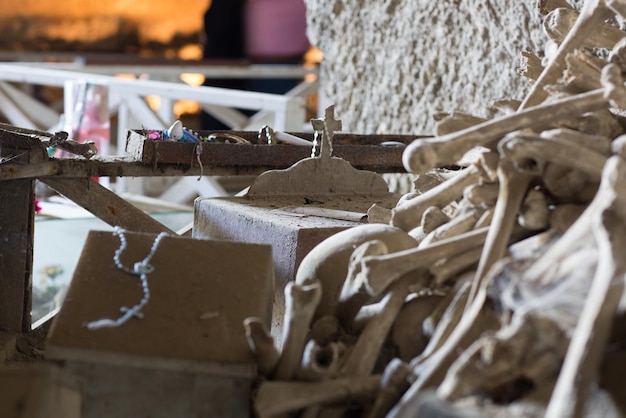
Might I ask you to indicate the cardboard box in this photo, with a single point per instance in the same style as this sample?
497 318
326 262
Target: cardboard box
187 355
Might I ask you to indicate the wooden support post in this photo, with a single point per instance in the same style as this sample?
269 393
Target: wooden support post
17 209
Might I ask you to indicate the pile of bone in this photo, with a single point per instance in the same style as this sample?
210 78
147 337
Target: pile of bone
495 289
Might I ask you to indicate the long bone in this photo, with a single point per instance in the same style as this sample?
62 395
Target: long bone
593 13
274 398
459 224
513 188
384 269
354 291
588 342
394 383
407 334
262 345
523 157
300 303
366 350
424 154
408 215
431 365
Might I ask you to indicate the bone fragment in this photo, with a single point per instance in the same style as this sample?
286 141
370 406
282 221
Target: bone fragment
485 219
261 343
409 214
450 269
424 154
546 6
481 195
394 383
378 214
513 187
326 329
363 356
530 153
300 303
433 218
460 224
354 292
534 213
384 269
431 366
530 66
592 13
597 143
512 353
588 343
407 333
560 21
321 362
455 121
274 398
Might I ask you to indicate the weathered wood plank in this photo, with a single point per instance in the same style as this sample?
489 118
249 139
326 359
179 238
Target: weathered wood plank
105 204
17 208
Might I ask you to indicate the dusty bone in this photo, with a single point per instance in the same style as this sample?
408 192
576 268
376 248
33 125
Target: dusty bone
525 149
459 224
354 292
481 195
455 121
449 269
424 154
485 219
560 21
274 398
546 6
513 188
409 214
534 213
441 351
618 6
394 383
433 218
618 146
530 66
531 347
321 362
598 143
613 82
592 13
592 332
326 329
300 303
574 235
384 269
407 333
366 350
261 343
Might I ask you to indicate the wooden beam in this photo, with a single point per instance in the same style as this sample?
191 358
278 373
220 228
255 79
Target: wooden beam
105 204
17 209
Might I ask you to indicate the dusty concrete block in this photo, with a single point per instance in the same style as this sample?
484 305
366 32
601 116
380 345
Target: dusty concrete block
290 225
37 391
186 353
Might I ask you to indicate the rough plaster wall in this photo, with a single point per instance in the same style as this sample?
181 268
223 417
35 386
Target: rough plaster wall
389 65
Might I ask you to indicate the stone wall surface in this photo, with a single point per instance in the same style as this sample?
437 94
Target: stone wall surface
389 65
